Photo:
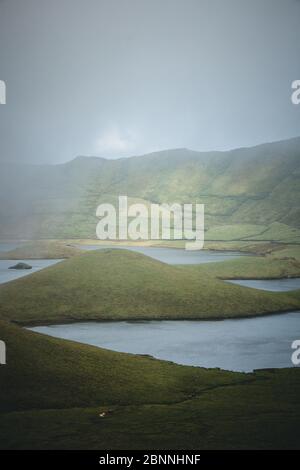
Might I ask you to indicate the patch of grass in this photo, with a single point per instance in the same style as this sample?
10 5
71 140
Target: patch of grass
253 267
42 249
234 232
278 232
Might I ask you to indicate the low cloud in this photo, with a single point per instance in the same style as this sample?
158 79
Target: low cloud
115 142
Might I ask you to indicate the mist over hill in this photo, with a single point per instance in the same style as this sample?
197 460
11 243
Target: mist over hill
249 193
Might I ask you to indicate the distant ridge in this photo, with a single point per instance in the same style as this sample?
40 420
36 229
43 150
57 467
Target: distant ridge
248 189
178 150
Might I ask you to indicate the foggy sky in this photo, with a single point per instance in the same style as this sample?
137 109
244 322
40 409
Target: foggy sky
117 78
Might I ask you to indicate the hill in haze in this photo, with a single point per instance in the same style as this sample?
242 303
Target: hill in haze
116 284
249 193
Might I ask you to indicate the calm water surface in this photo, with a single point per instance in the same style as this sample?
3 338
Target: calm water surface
7 274
273 285
238 345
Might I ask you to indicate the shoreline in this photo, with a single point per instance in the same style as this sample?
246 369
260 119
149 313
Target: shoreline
153 357
236 244
28 325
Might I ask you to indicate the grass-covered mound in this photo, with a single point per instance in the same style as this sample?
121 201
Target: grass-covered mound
119 284
52 392
42 249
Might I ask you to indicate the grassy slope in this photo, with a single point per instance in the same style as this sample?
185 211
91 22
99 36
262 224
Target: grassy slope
252 267
245 191
42 249
53 390
44 372
118 284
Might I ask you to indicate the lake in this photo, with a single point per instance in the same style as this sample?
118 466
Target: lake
237 345
174 255
7 274
272 285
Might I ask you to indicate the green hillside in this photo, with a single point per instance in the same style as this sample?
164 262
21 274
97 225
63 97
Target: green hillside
52 392
245 191
119 284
